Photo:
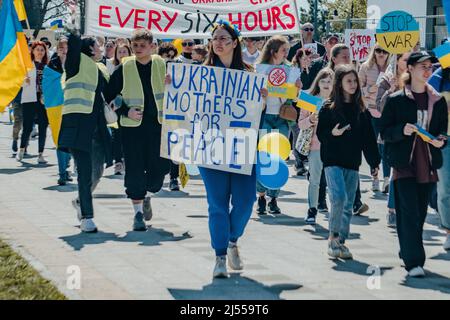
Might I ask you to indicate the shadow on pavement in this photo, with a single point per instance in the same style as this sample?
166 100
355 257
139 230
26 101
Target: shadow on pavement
13 171
363 220
78 241
197 216
235 287
357 267
67 188
319 232
281 220
293 200
442 256
432 281
152 237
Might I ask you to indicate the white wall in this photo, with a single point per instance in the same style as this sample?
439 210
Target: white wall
414 7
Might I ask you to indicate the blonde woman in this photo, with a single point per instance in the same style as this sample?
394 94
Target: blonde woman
370 72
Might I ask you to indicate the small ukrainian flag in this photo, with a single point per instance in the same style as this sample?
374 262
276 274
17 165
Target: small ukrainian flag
422 133
56 24
309 102
443 54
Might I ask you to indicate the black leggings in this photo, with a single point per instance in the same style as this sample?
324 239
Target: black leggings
31 111
117 145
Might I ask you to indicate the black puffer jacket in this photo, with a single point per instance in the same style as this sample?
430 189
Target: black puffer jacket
400 109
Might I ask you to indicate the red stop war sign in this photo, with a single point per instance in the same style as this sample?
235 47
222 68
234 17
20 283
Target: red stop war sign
277 77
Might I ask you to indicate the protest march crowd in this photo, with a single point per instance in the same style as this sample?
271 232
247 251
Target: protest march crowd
115 93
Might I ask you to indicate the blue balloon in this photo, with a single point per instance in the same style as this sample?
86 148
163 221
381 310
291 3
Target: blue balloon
271 171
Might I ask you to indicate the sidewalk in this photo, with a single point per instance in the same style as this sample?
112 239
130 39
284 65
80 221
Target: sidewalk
284 258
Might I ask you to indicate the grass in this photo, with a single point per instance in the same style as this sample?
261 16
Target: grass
20 281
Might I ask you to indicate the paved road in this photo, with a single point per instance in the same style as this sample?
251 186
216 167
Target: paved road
284 258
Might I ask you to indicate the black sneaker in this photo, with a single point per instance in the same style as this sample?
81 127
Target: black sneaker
311 217
68 177
273 207
14 146
322 207
301 171
62 181
261 206
173 185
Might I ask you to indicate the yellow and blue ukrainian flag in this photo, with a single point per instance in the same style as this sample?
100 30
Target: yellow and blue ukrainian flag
443 54
309 102
53 100
15 60
56 24
425 135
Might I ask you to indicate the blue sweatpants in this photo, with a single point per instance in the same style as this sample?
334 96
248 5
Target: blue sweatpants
227 225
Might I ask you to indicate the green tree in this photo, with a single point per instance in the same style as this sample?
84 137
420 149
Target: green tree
41 11
307 15
347 9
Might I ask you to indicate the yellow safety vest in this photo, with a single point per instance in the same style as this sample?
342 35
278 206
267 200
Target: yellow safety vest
79 91
133 93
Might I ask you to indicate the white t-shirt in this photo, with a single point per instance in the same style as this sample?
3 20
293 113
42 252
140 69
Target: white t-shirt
274 104
250 58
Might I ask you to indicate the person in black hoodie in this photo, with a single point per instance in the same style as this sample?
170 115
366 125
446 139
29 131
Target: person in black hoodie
84 132
415 161
345 132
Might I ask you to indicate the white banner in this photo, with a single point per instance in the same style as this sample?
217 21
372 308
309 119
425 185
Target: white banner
360 42
212 116
170 19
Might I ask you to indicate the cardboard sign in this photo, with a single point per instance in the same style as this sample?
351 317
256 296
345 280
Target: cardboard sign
360 42
312 47
190 18
398 32
281 80
212 116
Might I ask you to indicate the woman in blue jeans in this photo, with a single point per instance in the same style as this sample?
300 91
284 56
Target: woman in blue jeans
275 52
345 132
227 225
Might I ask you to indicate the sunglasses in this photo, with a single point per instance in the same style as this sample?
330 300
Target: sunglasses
308 29
379 50
187 44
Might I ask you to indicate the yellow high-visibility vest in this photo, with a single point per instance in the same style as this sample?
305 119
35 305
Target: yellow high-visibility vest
79 91
133 93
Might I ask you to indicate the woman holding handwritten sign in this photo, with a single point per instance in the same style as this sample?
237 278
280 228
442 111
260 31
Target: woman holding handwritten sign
226 189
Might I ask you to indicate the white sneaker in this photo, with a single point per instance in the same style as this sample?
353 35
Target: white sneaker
334 248
375 185
76 205
41 159
447 243
88 226
220 269
386 185
20 155
416 272
234 260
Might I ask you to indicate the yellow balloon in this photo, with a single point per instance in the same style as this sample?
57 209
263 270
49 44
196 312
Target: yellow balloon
275 143
177 44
